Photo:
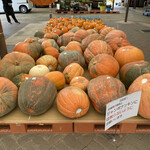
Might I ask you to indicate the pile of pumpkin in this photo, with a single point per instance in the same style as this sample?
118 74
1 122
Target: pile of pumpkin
80 65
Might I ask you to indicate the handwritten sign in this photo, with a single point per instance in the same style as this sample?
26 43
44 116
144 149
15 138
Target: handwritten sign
122 108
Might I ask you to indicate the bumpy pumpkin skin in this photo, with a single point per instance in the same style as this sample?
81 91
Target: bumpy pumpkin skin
142 83
73 70
15 63
103 90
80 82
129 72
36 95
72 102
19 79
57 78
103 64
49 61
67 57
8 96
32 48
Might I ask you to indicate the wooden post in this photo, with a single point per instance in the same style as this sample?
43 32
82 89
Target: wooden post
127 10
50 11
113 5
3 48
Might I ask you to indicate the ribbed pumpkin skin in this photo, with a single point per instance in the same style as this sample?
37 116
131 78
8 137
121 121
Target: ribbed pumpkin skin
118 42
86 41
65 39
51 51
80 35
91 31
15 63
67 57
129 72
36 95
73 47
75 29
72 102
57 78
50 43
103 64
33 49
49 61
19 79
103 90
8 96
128 54
80 82
115 33
105 31
97 47
142 83
75 42
39 34
73 70
51 36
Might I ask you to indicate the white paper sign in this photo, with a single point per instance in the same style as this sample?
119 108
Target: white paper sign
122 108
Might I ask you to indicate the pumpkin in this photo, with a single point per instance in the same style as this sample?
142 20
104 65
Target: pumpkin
73 47
91 31
104 31
31 39
67 57
73 70
15 63
103 64
80 35
30 47
75 29
38 70
115 33
65 39
86 41
103 90
57 31
129 72
75 42
49 43
97 47
72 102
80 82
142 83
36 95
49 61
62 48
57 78
51 36
51 51
128 54
39 33
20 78
8 96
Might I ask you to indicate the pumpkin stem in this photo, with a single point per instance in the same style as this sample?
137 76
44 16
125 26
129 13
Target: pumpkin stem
78 111
50 67
95 62
17 63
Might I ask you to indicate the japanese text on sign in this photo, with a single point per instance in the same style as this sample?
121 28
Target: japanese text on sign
122 108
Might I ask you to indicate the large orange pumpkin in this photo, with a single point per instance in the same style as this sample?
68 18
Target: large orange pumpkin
57 78
8 96
73 47
51 51
103 90
97 47
73 70
72 102
15 63
51 36
49 43
103 64
142 83
128 54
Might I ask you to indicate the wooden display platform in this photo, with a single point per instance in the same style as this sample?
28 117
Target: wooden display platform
85 12
53 122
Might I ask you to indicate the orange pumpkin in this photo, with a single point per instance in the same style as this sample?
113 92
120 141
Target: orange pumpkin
57 78
51 51
49 43
128 54
51 36
142 83
73 47
102 65
73 70
57 31
72 102
80 82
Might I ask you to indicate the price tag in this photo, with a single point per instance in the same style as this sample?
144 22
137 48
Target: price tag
122 108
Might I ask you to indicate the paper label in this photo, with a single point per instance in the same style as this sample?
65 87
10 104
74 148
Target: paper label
122 108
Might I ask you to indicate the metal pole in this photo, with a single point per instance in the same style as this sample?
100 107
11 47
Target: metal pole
127 10
113 5
3 48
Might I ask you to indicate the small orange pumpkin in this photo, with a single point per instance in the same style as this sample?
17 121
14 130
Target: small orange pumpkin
51 51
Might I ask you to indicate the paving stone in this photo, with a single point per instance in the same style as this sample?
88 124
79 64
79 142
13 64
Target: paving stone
10 142
126 146
31 146
25 138
61 145
2 146
72 142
